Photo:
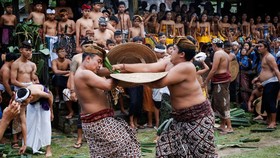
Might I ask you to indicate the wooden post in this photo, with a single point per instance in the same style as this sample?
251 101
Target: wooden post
133 6
16 9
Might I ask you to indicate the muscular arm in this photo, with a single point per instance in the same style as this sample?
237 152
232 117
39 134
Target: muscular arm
74 27
175 76
95 81
78 33
151 67
56 70
14 72
34 77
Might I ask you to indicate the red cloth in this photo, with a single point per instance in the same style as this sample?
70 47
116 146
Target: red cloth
87 118
85 6
221 77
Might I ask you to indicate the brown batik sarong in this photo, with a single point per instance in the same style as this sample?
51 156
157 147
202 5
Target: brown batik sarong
109 137
190 135
221 100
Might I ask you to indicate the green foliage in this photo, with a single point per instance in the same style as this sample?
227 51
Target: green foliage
28 31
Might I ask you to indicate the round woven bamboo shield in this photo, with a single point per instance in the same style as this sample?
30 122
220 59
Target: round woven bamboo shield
234 69
134 79
131 53
258 106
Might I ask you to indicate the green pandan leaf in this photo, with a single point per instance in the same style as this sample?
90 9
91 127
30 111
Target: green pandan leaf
45 51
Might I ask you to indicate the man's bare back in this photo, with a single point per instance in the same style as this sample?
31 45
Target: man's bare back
224 59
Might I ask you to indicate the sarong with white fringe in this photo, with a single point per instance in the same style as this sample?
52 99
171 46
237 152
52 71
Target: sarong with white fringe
38 124
109 137
190 135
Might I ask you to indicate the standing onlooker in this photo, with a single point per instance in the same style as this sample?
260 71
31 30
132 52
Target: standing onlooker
137 29
66 32
220 78
50 34
124 20
8 21
83 24
269 78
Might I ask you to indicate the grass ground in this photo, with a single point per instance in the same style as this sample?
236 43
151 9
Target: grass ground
228 146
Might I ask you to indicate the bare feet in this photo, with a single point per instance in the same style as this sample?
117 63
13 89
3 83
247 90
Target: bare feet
259 117
227 131
271 126
49 154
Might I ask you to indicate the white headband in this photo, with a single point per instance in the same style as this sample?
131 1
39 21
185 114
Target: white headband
159 50
20 100
50 11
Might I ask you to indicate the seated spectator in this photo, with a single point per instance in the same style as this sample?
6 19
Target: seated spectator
60 67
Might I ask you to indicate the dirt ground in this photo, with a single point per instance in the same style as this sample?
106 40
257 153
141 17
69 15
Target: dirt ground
268 145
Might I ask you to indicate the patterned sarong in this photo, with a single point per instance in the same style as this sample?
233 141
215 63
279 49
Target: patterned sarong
109 137
190 135
67 42
221 100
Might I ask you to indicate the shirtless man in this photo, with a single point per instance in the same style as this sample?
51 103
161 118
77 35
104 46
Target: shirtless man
23 73
5 75
50 33
82 25
8 21
220 78
75 63
137 29
38 101
66 26
37 16
115 138
95 14
186 97
102 34
124 20
61 67
269 77
66 30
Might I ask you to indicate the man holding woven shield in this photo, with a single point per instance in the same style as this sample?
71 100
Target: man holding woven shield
191 133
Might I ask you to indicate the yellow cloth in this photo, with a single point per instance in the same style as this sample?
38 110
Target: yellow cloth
204 38
148 103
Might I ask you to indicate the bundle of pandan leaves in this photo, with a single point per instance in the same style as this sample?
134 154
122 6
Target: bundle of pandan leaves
238 118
